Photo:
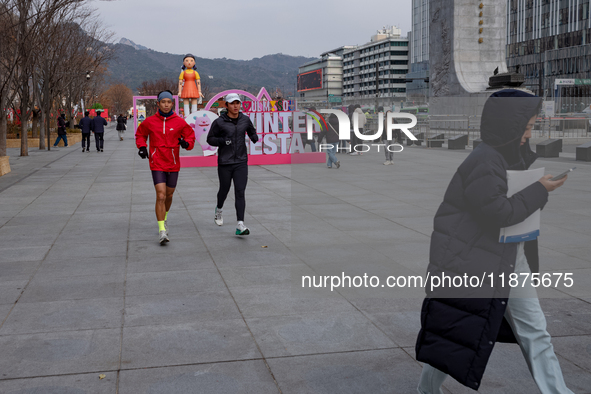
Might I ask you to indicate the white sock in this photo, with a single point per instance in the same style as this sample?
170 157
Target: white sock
193 108
186 107
240 223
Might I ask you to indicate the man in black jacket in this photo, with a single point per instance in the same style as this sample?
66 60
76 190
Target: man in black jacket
98 126
61 131
86 127
227 133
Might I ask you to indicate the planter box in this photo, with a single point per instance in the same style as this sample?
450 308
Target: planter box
34 142
4 165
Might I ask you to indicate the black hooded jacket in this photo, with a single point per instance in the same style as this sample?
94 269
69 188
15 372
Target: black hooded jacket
230 138
459 328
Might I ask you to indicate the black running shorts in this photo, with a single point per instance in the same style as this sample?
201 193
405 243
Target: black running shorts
170 178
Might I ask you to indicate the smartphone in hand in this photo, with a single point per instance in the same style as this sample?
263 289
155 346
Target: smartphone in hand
565 173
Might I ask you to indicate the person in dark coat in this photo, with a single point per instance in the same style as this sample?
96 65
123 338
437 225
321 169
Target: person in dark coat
85 126
228 133
121 126
61 131
460 326
98 126
332 141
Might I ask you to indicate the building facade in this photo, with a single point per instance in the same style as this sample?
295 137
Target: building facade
374 74
550 40
320 82
417 85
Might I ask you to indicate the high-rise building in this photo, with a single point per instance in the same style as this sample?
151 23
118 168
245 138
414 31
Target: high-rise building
375 73
320 81
550 41
417 86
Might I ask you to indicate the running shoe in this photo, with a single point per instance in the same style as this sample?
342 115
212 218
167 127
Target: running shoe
338 164
166 226
163 237
387 163
241 229
218 219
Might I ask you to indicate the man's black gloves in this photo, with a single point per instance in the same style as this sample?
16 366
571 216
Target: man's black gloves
184 144
143 152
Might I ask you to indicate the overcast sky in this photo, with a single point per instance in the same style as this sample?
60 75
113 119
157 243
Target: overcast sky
251 28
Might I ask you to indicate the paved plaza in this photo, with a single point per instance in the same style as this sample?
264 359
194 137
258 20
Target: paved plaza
86 290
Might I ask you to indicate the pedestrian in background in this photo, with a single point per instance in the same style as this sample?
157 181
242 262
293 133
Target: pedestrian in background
85 126
355 141
98 126
61 130
331 134
121 126
388 147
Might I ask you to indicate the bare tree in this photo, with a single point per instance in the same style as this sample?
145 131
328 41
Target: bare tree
152 88
119 98
45 56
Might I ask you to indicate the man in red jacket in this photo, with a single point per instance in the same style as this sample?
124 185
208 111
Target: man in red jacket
167 133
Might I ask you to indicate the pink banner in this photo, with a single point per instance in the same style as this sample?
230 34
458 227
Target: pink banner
258 160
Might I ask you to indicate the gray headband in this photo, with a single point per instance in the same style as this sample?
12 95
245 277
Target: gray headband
164 95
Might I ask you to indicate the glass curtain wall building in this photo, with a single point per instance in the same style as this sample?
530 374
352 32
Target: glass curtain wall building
417 86
550 41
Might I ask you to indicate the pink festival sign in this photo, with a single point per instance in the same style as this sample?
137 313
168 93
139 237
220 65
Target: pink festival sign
280 132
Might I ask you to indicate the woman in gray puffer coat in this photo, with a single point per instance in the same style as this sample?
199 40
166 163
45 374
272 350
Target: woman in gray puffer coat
460 326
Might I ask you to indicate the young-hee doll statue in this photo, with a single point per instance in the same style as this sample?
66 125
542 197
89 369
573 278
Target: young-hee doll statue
189 84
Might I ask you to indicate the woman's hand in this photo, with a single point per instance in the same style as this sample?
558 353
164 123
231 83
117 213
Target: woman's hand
551 185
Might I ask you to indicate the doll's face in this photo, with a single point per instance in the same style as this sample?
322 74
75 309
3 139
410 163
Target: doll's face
189 62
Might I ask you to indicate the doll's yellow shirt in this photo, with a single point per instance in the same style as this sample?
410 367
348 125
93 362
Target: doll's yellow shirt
182 76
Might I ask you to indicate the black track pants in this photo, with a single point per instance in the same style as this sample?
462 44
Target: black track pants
239 174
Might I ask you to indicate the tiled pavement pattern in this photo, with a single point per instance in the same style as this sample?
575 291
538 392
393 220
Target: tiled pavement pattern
85 289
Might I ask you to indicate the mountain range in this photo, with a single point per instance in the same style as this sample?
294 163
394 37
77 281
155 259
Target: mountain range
136 63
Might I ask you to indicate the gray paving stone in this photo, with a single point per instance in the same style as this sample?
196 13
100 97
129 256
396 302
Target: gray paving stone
168 309
316 333
576 349
69 250
193 246
36 317
160 263
4 310
375 371
74 288
17 270
262 276
83 266
245 377
202 342
68 352
10 290
507 372
72 384
174 282
280 301
24 253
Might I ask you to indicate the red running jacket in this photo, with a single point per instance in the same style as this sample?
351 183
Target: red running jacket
164 134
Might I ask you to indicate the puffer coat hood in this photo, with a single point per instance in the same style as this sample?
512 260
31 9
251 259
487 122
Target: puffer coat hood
504 119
